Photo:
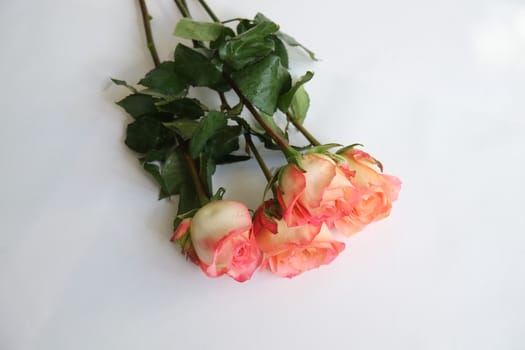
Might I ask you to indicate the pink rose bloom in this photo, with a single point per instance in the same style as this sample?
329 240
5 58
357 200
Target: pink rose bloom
323 193
377 192
222 240
293 250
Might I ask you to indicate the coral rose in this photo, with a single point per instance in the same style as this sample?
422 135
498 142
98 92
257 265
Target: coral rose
323 192
377 191
222 239
293 250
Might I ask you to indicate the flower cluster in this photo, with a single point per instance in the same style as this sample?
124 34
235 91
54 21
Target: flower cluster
181 141
291 234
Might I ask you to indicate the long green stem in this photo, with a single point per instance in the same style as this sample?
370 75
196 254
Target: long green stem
181 5
249 142
281 142
224 102
199 188
209 11
146 19
303 130
236 19
258 157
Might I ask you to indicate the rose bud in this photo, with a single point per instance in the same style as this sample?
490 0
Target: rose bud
223 242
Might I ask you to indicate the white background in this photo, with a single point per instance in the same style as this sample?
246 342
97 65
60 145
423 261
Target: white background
434 89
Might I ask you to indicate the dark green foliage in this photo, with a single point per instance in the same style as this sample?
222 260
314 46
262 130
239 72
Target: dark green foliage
143 134
263 82
209 126
165 80
138 105
175 132
250 46
184 108
196 67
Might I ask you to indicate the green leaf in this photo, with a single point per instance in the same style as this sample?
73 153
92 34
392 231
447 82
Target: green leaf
188 201
119 82
138 105
183 108
156 155
206 170
300 104
143 134
260 18
349 147
263 82
286 99
196 67
154 170
218 195
267 141
250 46
260 30
244 25
185 128
233 158
165 80
162 96
292 42
270 121
123 83
280 50
209 126
226 34
322 148
206 31
224 143
237 109
175 172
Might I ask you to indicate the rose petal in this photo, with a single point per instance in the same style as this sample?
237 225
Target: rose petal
319 174
286 236
214 221
297 259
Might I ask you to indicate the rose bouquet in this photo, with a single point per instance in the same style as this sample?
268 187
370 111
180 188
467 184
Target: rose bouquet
320 190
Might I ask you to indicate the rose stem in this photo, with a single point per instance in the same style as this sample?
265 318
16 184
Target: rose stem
181 5
146 19
201 193
224 102
267 173
302 129
209 11
281 142
203 197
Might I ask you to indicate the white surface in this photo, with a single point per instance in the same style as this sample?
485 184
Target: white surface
433 88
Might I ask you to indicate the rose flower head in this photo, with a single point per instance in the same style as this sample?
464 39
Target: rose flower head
315 191
222 240
289 251
376 190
